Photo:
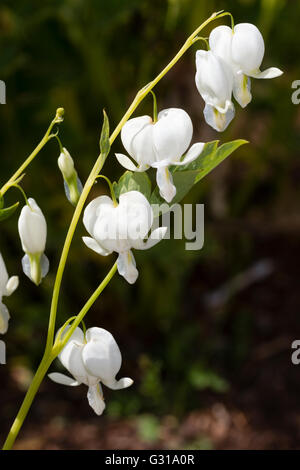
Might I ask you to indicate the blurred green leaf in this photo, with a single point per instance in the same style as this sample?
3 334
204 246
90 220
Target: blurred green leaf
202 379
148 428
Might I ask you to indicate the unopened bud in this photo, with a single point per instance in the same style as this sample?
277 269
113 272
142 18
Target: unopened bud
66 164
72 184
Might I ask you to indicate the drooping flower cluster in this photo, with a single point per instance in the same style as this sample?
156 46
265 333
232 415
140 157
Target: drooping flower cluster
162 143
234 56
159 145
121 227
92 358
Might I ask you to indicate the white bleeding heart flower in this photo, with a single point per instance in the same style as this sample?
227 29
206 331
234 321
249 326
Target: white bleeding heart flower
120 227
243 50
159 145
92 358
214 81
33 234
7 287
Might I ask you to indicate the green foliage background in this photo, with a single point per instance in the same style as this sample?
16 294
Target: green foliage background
86 55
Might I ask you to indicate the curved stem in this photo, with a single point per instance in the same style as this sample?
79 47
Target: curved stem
47 136
98 166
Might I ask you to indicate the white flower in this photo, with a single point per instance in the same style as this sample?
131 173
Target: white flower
92 358
159 145
121 227
7 287
214 81
242 50
33 233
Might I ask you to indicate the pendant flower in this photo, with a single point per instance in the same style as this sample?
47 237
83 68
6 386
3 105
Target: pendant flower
120 227
242 50
92 358
214 82
159 145
33 233
7 287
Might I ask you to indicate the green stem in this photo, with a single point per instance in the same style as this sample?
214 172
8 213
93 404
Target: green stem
79 318
34 386
48 359
12 180
49 351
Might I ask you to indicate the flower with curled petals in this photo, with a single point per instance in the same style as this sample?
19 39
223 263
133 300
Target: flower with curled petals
242 49
159 145
91 358
121 227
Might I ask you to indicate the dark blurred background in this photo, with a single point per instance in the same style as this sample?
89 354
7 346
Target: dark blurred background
206 335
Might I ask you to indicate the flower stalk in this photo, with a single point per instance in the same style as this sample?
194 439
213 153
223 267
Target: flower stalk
53 349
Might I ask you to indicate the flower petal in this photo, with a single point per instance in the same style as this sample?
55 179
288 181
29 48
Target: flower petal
130 129
32 228
127 266
193 153
125 382
63 379
12 285
214 80
220 40
172 134
155 237
247 47
272 72
95 399
135 215
164 180
3 276
217 120
126 162
4 318
92 210
95 246
242 89
101 354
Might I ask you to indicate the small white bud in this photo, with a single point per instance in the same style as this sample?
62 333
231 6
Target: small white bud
66 164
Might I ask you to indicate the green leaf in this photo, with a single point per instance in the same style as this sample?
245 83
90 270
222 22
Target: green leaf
130 181
186 176
211 162
206 155
104 138
1 202
6 213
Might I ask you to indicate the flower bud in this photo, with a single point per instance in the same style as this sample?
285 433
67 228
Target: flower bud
72 184
33 233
